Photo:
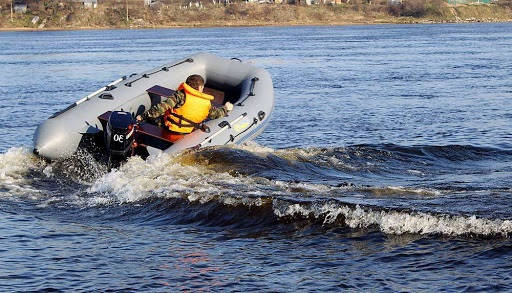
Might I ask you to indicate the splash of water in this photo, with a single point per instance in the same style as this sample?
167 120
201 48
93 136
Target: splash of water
15 168
195 177
237 176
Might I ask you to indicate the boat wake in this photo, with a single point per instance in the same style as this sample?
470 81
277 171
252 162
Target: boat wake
445 190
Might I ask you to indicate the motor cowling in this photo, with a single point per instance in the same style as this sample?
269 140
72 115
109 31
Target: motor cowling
119 135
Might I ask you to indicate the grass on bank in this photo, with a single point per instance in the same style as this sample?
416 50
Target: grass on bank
112 14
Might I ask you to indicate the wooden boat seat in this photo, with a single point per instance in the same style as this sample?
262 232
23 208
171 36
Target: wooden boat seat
218 95
160 91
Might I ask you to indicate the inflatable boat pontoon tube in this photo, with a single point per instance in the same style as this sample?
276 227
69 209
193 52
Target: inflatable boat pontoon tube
247 87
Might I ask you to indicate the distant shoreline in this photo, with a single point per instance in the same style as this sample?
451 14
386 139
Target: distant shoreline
27 29
65 18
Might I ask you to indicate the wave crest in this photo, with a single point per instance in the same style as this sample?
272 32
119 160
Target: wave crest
398 222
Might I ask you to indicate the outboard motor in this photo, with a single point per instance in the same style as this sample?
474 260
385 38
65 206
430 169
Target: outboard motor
119 136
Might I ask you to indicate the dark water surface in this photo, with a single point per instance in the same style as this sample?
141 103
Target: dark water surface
387 167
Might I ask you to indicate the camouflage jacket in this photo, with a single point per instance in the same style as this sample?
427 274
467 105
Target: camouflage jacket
177 100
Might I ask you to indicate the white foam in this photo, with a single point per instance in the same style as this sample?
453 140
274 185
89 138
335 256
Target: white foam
400 222
14 165
164 176
415 172
168 177
321 156
171 176
48 171
401 190
303 187
15 162
254 147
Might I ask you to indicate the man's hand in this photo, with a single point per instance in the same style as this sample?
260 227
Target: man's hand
228 106
138 118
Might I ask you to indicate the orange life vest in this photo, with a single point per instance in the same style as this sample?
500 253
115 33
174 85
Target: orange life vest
194 111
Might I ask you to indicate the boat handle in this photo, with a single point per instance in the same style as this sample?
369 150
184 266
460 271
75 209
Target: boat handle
261 115
251 91
106 96
99 91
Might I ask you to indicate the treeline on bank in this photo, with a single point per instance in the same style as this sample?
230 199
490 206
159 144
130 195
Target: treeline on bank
70 14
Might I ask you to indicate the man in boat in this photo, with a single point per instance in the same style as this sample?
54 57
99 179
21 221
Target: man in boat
187 108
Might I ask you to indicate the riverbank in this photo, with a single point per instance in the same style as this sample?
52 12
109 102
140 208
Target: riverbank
59 16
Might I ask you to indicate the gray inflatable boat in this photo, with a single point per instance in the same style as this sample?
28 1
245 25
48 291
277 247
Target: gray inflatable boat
85 122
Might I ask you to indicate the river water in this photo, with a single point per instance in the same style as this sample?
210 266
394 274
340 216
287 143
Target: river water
387 166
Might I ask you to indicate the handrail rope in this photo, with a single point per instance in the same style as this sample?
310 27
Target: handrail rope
86 98
232 137
100 90
165 68
228 125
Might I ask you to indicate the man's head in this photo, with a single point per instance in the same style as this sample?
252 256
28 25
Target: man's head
196 82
